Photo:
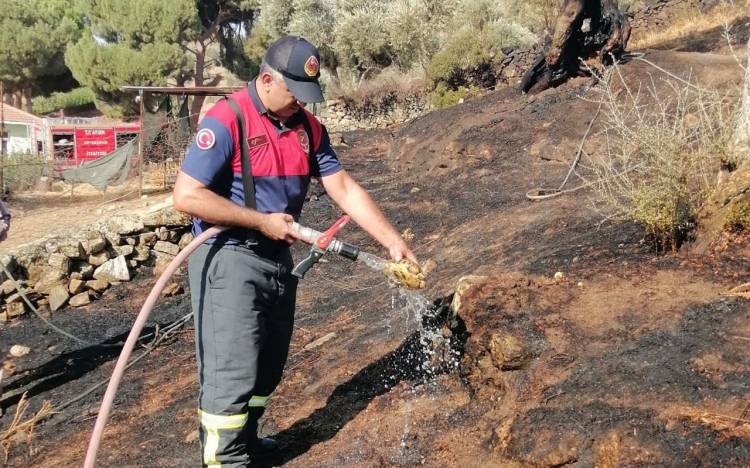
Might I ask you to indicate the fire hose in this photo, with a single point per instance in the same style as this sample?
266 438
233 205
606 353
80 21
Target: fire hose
320 244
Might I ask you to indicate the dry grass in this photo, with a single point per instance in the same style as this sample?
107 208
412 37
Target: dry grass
690 22
666 141
19 428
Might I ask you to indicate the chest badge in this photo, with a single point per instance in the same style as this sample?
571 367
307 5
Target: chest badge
304 141
257 141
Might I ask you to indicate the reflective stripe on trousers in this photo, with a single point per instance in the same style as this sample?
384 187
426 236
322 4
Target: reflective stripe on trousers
213 424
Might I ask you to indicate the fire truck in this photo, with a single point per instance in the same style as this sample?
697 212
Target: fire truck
74 141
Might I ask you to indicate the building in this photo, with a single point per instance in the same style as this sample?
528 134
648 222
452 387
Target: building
23 131
72 141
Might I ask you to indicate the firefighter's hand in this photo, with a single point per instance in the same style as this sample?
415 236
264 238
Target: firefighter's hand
398 250
278 226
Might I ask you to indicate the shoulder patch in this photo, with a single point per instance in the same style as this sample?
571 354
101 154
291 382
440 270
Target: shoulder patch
205 139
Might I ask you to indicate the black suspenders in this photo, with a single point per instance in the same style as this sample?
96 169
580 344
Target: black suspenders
248 184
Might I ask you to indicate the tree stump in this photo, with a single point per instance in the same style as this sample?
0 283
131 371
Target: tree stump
583 29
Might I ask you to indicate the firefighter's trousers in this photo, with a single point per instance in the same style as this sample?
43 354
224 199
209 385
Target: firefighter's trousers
243 303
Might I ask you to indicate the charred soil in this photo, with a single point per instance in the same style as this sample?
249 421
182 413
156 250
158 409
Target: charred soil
627 358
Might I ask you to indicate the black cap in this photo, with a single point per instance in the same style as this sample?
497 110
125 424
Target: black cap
299 63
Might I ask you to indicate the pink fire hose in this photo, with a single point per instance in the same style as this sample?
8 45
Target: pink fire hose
320 242
135 332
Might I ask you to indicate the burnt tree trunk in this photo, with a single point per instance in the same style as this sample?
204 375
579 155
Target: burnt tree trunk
583 29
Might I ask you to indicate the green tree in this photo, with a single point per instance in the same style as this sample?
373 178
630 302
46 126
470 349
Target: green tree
34 34
153 42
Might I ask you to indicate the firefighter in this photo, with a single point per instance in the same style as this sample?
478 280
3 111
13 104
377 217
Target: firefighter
242 290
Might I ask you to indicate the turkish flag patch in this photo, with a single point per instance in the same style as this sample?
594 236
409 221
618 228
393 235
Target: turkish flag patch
205 139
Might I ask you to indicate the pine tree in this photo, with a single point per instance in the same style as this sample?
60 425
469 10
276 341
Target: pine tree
34 34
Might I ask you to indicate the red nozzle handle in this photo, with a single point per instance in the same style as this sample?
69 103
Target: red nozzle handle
325 239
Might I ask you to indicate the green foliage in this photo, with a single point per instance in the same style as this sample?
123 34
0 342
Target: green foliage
479 33
33 34
75 98
442 96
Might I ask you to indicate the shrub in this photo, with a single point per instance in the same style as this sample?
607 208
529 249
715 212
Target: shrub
665 146
738 217
23 171
75 98
442 97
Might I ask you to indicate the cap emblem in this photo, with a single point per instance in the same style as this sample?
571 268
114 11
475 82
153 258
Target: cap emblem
312 66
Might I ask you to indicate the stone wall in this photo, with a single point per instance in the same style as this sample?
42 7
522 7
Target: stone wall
340 115
71 270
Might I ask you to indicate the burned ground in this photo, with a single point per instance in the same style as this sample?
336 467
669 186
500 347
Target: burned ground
630 358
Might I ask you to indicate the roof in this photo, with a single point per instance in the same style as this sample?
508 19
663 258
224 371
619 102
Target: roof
182 90
16 115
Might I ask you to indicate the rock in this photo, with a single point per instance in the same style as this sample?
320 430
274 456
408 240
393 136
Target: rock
94 244
59 262
143 253
320 341
507 351
172 289
73 249
185 240
99 259
98 285
559 276
161 215
131 241
15 309
463 285
124 225
161 261
80 300
414 190
82 271
167 248
58 296
174 236
19 350
162 233
113 270
49 280
124 250
147 238
7 287
132 264
76 286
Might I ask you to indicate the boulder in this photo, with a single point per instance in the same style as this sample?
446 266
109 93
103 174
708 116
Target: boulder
172 289
16 309
60 262
99 259
98 285
161 261
113 270
167 248
58 296
95 244
82 271
123 225
80 300
49 280
162 233
72 249
185 240
8 287
76 286
124 250
143 253
161 215
464 284
147 238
